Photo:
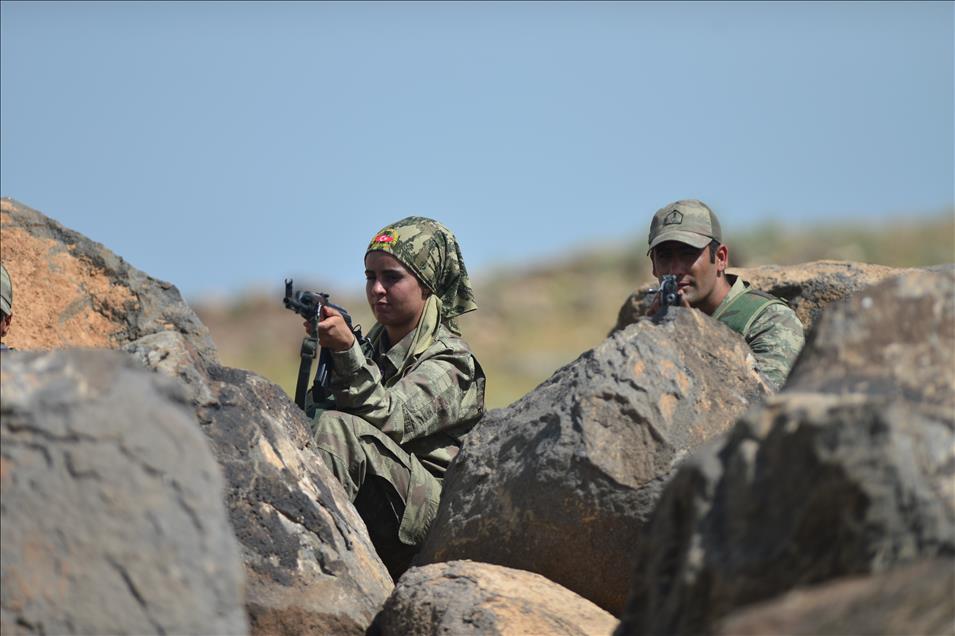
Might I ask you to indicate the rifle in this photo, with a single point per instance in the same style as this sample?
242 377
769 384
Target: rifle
668 291
308 304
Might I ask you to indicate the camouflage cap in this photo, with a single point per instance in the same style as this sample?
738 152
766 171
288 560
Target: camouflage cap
432 253
6 291
690 221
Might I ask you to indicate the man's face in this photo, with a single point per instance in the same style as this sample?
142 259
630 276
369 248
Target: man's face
696 275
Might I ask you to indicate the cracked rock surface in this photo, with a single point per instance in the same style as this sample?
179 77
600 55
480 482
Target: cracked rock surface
310 566
561 482
111 512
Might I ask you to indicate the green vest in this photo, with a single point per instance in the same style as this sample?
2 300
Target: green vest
741 311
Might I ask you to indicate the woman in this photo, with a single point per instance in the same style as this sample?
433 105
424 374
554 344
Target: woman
402 402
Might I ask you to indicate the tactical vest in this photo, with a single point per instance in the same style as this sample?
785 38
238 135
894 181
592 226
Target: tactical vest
744 309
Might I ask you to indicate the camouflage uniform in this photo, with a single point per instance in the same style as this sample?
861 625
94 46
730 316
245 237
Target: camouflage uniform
6 299
400 410
771 329
774 333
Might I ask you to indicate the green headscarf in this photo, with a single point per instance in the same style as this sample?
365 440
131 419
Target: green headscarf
432 253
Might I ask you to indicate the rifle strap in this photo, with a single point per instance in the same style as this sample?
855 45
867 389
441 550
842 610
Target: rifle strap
309 347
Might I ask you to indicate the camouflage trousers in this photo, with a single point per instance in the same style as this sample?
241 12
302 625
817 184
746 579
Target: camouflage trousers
394 493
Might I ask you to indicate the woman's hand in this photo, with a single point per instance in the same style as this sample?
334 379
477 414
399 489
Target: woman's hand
333 331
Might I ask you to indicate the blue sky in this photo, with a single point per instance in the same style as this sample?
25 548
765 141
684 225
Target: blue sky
218 145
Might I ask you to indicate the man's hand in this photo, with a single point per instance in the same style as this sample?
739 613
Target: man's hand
333 331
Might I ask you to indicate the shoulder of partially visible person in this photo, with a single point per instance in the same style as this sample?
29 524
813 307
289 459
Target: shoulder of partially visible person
776 336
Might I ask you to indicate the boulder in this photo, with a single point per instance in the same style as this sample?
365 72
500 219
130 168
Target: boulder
70 291
111 518
463 597
310 565
896 339
914 599
807 287
560 482
849 470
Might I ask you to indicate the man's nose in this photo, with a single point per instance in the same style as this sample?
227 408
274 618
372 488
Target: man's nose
377 288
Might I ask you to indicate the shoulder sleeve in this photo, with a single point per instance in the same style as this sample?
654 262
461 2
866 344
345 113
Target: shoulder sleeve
775 338
443 389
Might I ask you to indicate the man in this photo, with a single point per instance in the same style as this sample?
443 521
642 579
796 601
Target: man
6 304
686 241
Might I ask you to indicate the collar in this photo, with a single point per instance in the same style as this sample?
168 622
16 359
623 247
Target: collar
737 287
394 355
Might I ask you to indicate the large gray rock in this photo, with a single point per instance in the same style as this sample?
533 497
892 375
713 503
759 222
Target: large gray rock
914 599
850 470
70 291
807 287
896 339
463 597
310 566
111 513
561 482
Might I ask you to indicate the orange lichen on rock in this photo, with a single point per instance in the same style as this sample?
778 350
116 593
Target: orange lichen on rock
66 301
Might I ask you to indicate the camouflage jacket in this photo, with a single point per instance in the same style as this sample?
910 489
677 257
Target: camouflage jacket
774 334
426 403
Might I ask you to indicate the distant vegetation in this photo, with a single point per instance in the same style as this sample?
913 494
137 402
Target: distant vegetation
534 320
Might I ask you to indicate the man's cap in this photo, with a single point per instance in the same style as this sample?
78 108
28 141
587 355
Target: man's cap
690 221
6 291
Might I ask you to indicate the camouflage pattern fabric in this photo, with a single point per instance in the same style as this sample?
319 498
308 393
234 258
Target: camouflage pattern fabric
432 252
394 493
399 418
689 221
398 410
775 335
6 291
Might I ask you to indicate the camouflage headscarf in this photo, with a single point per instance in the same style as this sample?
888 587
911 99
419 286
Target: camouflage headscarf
432 253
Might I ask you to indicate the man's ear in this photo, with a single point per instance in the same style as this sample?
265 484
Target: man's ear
653 265
722 258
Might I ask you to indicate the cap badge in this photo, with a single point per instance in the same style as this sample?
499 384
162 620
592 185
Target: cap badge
673 218
384 239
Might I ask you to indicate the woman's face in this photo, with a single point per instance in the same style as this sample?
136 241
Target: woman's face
394 293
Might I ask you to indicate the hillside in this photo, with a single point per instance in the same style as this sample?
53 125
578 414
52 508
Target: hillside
534 320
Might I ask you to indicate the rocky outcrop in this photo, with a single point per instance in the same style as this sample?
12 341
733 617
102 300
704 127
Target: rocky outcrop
111 518
850 470
561 482
915 599
70 291
463 597
310 566
808 287
894 340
